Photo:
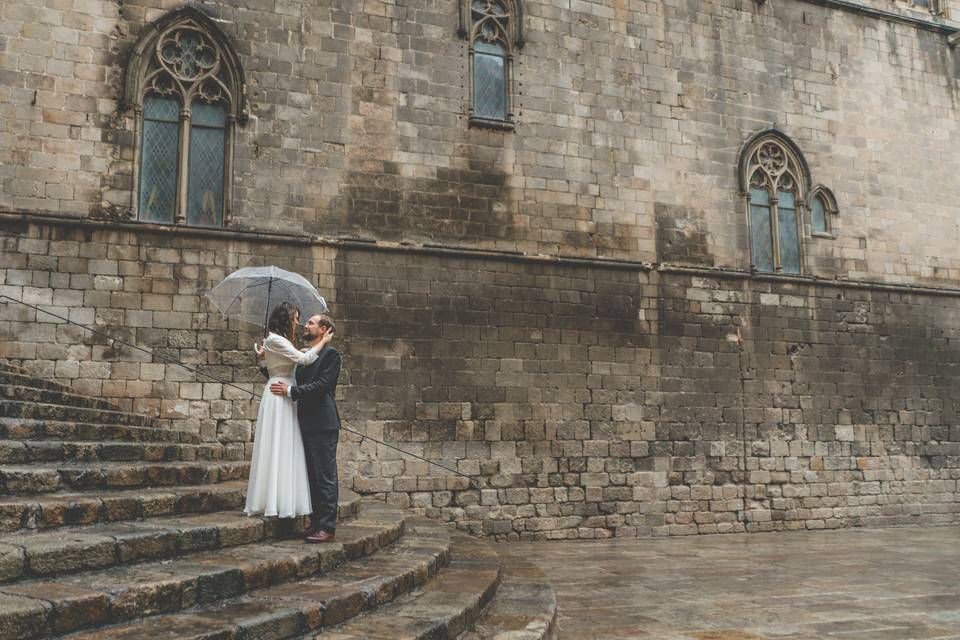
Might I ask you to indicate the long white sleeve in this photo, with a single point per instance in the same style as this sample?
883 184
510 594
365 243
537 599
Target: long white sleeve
281 346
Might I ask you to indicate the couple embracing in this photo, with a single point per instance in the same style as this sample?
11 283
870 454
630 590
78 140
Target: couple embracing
293 471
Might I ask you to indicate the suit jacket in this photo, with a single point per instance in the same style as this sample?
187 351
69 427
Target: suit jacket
315 392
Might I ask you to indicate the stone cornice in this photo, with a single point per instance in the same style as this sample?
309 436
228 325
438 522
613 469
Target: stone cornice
248 235
461 252
938 25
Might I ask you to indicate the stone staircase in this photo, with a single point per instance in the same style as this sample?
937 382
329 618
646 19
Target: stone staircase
113 528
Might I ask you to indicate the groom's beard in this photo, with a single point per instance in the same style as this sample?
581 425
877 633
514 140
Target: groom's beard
311 339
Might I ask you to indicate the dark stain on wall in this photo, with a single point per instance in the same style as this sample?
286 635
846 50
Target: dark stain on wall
467 202
681 235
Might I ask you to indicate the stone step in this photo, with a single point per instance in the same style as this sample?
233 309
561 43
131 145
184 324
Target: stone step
50 511
32 429
440 610
295 608
30 393
67 476
12 377
47 512
524 607
42 411
40 451
71 550
6 365
47 608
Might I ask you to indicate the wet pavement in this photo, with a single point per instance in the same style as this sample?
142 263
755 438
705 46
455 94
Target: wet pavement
853 584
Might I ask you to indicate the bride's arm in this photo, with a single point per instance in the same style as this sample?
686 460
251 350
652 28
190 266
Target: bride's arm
280 345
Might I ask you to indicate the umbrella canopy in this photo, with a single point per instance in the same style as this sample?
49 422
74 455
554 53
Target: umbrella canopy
250 294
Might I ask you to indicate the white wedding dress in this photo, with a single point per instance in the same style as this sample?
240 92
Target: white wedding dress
278 484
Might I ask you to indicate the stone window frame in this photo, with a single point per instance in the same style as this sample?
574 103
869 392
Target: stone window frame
510 36
933 7
830 209
794 169
140 80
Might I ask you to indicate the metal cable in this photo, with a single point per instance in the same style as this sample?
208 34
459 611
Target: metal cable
344 425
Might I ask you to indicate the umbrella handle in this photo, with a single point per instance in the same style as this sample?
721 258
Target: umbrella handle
266 312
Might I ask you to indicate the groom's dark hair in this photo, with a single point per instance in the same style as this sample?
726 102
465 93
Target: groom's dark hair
326 321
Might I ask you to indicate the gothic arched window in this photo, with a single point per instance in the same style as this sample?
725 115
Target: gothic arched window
822 206
775 179
493 28
186 87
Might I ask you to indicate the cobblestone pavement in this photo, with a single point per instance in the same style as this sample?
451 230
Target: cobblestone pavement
855 584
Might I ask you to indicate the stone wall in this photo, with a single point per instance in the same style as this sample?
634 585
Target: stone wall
588 399
629 116
564 311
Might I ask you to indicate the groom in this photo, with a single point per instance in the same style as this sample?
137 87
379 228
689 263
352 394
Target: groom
315 394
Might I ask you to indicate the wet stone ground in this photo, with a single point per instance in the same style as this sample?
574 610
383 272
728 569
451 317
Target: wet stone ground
854 584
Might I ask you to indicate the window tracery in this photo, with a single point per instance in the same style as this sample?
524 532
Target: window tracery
775 179
186 87
493 30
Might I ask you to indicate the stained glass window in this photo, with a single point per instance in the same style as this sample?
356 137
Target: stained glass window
205 177
189 84
789 237
158 164
818 215
489 81
490 42
760 231
775 178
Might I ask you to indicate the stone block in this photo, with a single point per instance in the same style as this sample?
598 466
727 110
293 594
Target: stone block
57 553
23 617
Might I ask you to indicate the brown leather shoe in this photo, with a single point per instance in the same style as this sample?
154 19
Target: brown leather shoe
320 537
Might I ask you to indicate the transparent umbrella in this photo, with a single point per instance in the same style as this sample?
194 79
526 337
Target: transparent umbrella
250 294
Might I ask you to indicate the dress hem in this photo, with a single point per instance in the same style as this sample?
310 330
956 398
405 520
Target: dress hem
274 515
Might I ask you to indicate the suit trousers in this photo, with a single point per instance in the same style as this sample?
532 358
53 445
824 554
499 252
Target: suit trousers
321 450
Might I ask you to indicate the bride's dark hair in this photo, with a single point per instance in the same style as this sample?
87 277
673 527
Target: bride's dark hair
280 320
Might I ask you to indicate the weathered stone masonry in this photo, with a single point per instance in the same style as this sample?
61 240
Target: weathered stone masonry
590 400
565 311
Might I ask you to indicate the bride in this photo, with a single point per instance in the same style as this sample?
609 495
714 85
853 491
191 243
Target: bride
278 484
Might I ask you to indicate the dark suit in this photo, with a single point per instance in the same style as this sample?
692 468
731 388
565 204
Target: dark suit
315 394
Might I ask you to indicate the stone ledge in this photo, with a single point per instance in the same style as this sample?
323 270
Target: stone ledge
931 23
458 251
135 226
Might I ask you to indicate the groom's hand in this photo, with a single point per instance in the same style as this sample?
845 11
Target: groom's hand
279 388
